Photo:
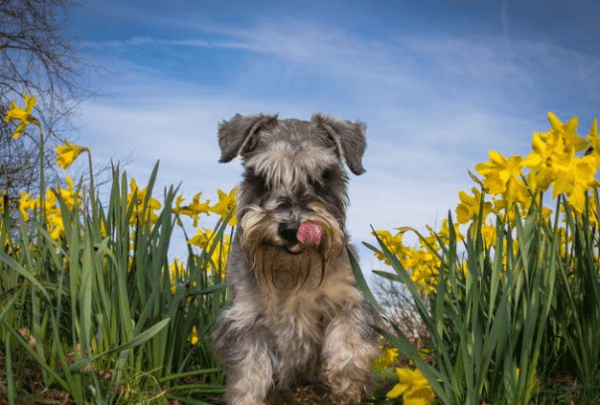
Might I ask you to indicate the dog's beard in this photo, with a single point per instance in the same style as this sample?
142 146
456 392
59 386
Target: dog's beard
274 266
285 265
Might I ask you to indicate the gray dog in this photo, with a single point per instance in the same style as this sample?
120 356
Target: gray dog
297 313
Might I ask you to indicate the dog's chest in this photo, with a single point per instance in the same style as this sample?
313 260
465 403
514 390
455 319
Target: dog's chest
297 326
302 316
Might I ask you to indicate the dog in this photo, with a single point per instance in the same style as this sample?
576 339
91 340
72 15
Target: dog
297 313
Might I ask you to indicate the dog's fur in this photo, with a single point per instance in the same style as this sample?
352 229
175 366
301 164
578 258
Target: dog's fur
297 313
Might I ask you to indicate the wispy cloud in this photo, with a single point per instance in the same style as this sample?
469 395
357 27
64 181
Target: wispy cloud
433 106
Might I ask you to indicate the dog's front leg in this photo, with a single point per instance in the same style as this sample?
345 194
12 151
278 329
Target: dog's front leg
249 365
348 350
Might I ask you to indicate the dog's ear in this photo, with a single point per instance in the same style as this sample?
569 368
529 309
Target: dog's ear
349 138
236 136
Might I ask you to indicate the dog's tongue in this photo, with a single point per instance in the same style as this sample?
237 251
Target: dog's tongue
310 232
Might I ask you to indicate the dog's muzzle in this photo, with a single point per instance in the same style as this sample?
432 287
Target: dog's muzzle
300 235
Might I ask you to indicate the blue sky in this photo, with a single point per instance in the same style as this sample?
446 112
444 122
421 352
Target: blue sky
439 83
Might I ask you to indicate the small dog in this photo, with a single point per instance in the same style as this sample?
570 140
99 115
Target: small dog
297 313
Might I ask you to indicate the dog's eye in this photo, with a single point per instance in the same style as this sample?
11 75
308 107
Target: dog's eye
256 182
284 205
326 174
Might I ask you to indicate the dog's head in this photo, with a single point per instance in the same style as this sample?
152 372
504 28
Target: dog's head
293 197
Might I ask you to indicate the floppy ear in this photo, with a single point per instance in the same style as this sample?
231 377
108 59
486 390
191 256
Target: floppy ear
236 136
349 138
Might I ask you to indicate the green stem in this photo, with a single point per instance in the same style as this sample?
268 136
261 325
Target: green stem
42 178
92 188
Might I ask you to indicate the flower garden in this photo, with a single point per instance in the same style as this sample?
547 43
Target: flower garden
93 309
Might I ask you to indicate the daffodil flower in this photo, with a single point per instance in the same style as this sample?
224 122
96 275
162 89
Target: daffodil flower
67 154
26 203
413 387
227 203
193 338
138 211
576 181
469 206
568 132
499 171
192 210
16 113
387 358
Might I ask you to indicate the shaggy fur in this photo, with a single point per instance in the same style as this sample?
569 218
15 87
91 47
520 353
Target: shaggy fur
297 313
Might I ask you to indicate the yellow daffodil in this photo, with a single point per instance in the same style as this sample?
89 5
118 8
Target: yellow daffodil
423 266
576 181
176 273
549 155
16 113
201 239
227 203
26 203
413 387
192 210
387 358
568 132
393 243
138 212
56 226
193 338
444 233
488 232
67 154
68 195
204 240
469 206
594 141
499 171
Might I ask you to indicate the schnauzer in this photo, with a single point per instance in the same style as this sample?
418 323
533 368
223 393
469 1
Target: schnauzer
297 313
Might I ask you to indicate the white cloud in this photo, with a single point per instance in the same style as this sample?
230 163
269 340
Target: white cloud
433 107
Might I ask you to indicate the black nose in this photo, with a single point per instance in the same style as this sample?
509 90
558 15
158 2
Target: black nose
289 231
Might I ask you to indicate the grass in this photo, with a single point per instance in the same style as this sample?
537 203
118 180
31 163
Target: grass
513 323
99 305
92 317
97 313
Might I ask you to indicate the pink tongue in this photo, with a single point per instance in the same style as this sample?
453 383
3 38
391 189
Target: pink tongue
310 232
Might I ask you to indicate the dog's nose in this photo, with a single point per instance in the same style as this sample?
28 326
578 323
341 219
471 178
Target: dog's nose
289 231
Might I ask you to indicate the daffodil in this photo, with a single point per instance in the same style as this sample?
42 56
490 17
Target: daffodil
16 113
226 204
594 140
194 209
488 233
203 240
499 171
549 155
568 132
193 338
413 387
176 273
444 233
423 266
68 195
26 203
138 211
67 154
469 206
576 181
387 358
56 226
393 243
